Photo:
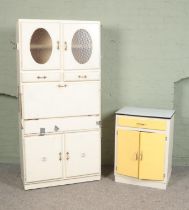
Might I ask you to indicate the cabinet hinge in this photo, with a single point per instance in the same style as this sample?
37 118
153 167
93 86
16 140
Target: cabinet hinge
99 123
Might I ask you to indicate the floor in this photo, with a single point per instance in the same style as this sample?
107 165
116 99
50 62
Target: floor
104 194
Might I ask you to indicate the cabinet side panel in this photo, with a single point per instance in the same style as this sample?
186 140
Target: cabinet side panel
170 148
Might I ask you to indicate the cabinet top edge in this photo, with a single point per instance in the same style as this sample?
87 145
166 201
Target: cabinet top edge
56 21
146 112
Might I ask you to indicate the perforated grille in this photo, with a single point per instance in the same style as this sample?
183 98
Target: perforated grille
81 46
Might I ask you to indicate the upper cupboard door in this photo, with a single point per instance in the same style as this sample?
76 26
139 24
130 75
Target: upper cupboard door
81 46
39 44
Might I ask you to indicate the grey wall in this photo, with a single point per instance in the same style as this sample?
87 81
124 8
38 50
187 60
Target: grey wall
145 53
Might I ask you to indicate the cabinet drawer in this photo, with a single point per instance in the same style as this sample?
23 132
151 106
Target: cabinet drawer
142 122
40 76
58 125
81 75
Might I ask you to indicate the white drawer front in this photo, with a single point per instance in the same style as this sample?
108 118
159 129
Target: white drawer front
82 75
57 125
40 76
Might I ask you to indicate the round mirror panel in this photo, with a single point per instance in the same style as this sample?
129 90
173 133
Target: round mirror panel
81 46
41 46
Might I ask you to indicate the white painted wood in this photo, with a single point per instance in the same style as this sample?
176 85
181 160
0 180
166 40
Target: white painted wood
70 62
41 76
143 183
82 75
57 21
168 146
146 112
55 97
82 154
47 100
59 125
51 183
43 157
26 31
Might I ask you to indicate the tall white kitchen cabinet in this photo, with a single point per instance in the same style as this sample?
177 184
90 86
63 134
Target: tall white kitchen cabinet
59 74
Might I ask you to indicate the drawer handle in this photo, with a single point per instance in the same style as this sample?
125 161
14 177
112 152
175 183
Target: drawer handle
60 156
67 155
44 77
82 76
142 124
60 86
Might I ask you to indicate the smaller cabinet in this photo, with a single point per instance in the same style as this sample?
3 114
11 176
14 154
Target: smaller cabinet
143 146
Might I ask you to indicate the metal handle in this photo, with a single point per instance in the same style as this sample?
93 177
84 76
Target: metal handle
142 124
59 85
44 77
60 156
136 156
141 156
58 45
65 46
82 76
67 155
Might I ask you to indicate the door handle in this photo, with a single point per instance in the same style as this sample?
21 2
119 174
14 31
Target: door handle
60 156
58 45
136 156
141 156
65 46
67 155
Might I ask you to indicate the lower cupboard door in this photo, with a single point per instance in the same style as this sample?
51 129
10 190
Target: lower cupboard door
43 158
82 153
127 152
152 156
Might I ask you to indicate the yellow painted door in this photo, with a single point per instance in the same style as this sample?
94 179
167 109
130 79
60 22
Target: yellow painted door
127 152
152 156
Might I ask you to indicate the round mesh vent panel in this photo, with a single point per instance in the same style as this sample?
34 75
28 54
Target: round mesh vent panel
41 46
82 46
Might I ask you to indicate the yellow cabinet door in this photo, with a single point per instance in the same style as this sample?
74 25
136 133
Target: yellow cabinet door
127 152
152 156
